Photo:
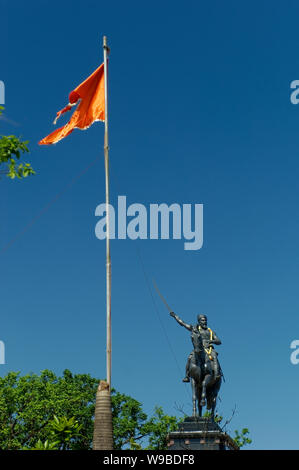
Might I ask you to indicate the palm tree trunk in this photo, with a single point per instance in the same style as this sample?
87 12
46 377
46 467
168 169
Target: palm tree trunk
103 432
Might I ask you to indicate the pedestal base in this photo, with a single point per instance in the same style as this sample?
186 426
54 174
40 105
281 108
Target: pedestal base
200 434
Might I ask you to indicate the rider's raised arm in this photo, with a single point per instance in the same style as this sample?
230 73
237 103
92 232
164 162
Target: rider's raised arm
181 322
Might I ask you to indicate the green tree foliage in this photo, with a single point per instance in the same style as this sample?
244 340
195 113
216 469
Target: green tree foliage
131 425
63 432
28 405
159 426
46 412
128 421
241 438
49 412
11 149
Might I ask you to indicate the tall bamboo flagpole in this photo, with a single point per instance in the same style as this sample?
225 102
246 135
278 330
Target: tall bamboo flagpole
103 431
108 258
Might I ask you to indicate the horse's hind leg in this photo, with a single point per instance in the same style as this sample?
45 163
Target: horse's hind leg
211 405
193 385
212 398
213 408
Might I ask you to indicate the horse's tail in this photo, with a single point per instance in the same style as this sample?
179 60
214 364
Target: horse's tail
221 373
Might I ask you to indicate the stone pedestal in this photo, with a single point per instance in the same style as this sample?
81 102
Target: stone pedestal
200 434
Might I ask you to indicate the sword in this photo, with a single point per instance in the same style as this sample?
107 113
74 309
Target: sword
162 298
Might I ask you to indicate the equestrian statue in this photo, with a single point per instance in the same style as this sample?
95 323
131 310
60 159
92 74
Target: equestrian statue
202 368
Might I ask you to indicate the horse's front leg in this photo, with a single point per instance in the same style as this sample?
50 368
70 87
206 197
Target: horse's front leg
199 409
193 385
205 383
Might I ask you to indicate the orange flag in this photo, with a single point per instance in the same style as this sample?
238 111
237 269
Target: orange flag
91 97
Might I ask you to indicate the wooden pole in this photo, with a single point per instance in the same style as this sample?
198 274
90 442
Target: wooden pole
103 429
108 258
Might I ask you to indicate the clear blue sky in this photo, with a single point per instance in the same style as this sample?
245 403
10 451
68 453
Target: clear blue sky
200 112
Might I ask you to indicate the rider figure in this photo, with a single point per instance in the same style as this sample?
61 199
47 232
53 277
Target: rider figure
208 339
